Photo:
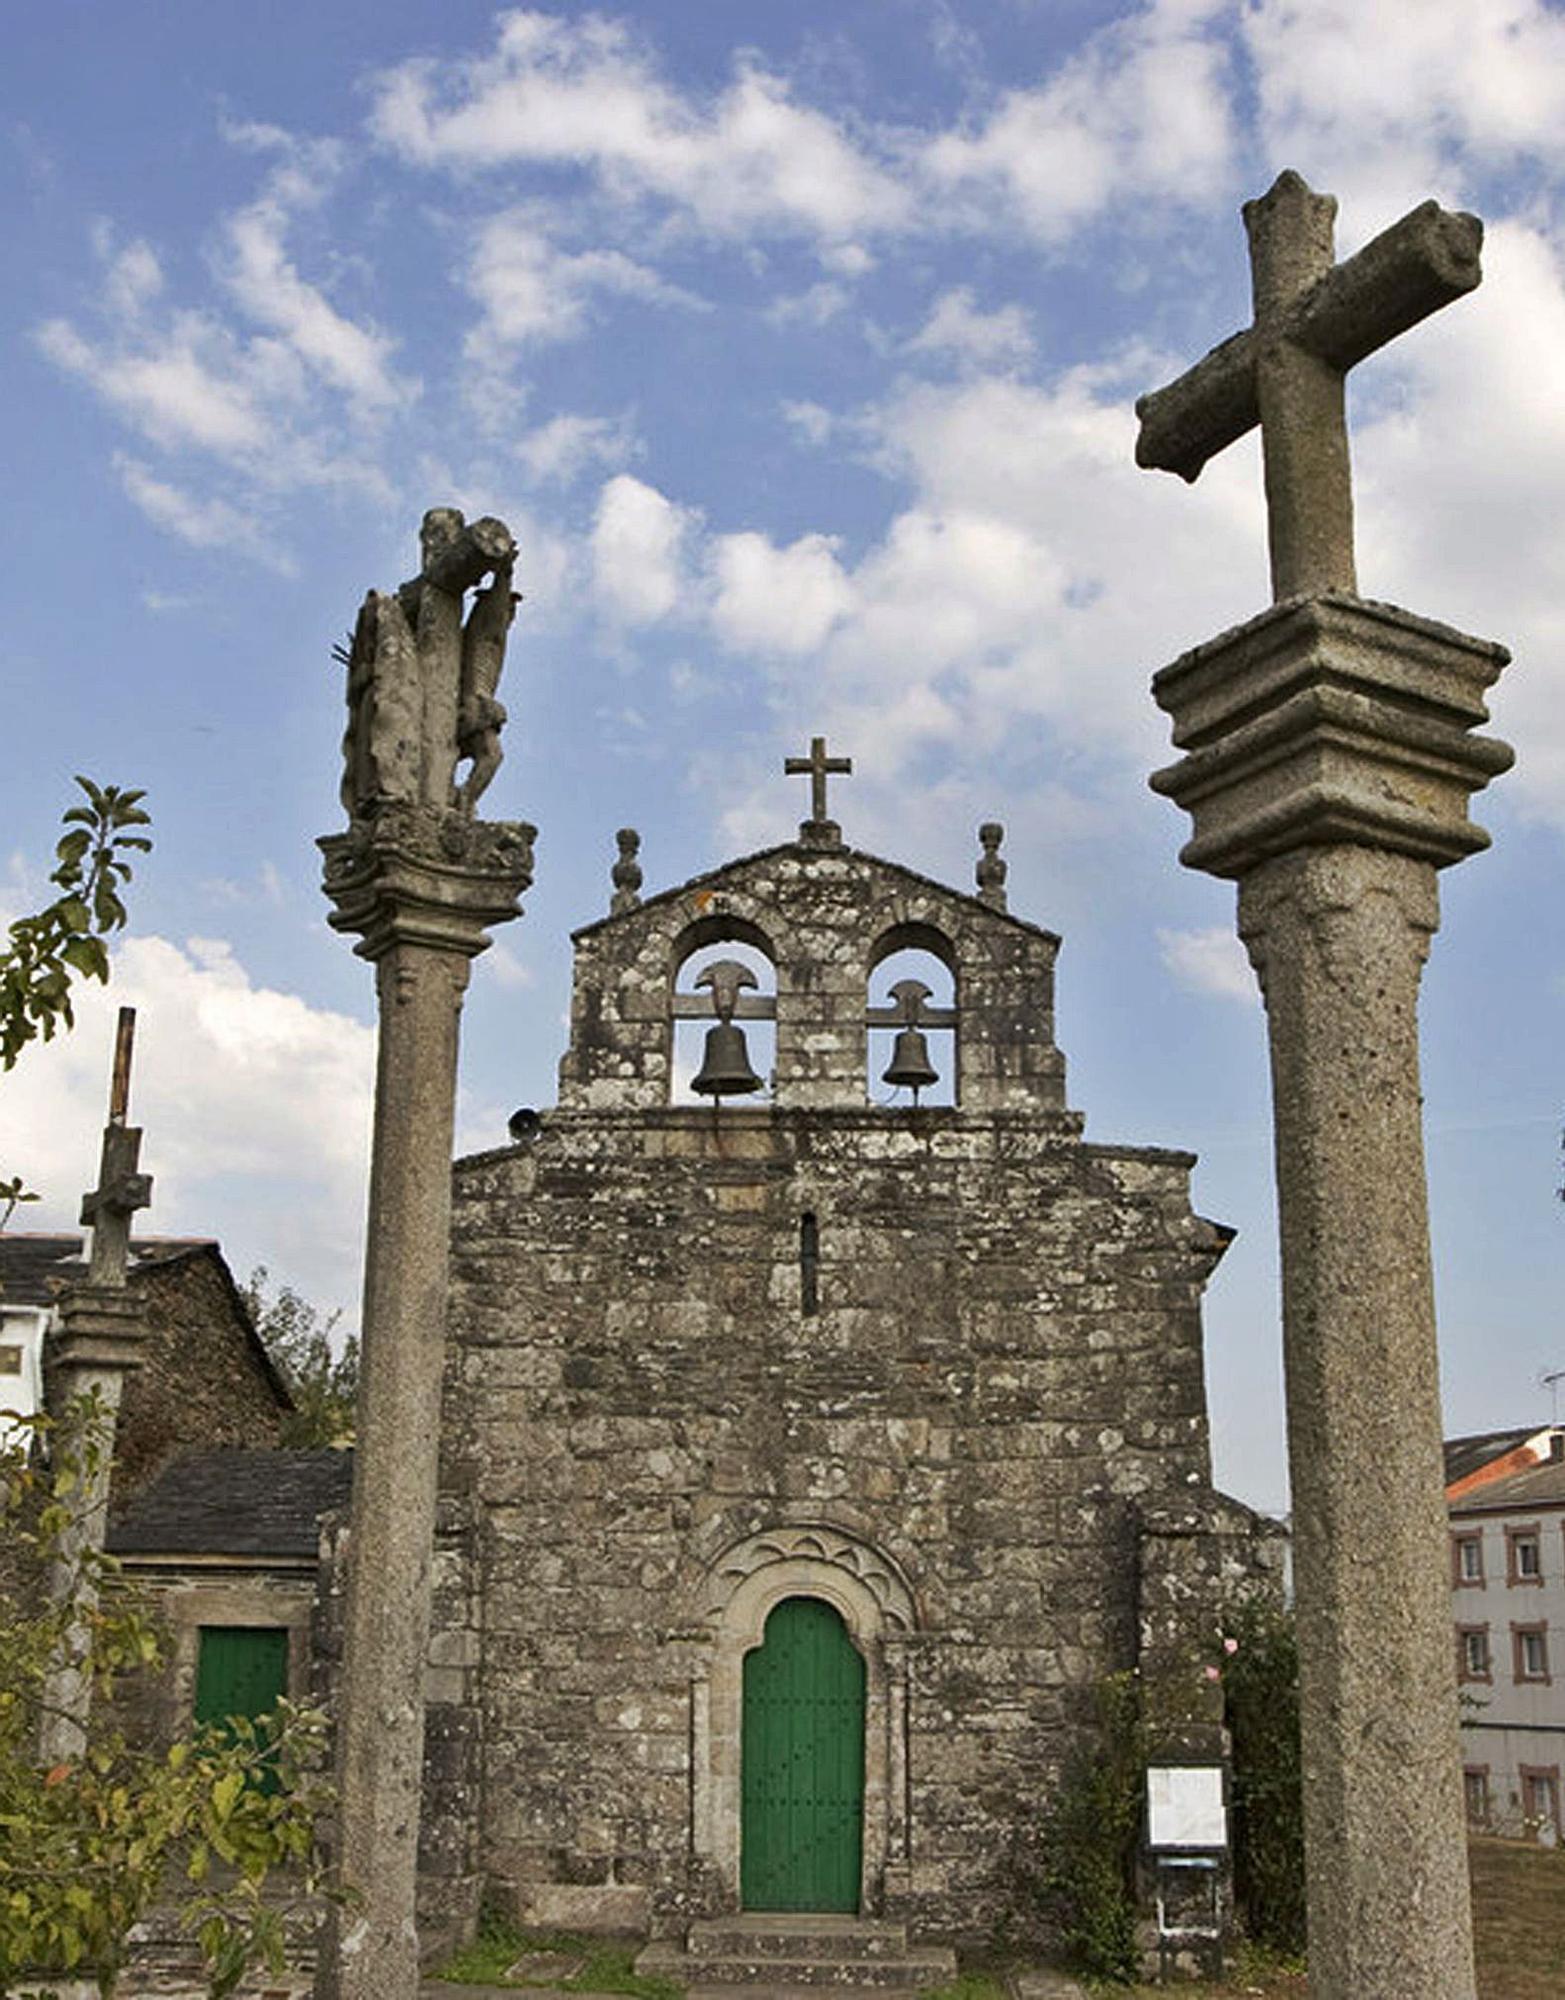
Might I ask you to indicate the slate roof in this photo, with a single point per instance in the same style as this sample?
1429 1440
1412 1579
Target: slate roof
34 1266
233 1502
1465 1455
1537 1486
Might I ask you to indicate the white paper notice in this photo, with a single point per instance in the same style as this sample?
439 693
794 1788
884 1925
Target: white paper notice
1185 1806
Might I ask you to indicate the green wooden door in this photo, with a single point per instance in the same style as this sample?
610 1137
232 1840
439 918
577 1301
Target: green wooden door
803 1763
240 1670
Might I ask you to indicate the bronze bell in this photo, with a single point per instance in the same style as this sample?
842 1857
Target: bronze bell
725 1068
910 1067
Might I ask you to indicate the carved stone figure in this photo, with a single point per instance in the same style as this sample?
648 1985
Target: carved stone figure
421 682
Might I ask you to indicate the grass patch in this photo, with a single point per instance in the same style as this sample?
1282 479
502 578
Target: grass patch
606 1967
969 1986
1518 1898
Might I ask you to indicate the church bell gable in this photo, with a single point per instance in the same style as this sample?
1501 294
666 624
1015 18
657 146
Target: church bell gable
826 918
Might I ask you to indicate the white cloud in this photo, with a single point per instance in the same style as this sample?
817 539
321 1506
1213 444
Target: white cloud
957 327
533 292
501 965
205 524
1476 398
812 421
581 93
985 607
772 600
638 542
255 1105
133 278
1210 961
265 282
817 305
1141 109
188 388
567 445
1405 100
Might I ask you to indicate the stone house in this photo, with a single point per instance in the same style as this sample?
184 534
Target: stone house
203 1506
205 1377
228 1542
808 1458
1507 1507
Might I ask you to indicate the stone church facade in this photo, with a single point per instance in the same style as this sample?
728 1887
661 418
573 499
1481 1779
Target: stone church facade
806 1462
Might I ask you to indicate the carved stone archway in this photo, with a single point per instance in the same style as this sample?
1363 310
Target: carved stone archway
876 1604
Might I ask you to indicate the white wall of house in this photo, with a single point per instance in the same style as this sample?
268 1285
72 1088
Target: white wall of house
1508 1610
21 1364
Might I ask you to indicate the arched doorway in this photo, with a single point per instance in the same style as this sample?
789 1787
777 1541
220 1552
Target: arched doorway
802 1763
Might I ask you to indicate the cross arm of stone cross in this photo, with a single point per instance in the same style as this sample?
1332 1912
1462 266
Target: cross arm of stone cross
1314 320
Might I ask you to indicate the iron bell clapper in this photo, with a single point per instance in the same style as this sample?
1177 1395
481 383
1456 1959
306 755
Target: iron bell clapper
725 1068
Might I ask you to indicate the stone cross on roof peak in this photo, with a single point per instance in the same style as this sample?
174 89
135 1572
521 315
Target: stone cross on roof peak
1314 319
817 767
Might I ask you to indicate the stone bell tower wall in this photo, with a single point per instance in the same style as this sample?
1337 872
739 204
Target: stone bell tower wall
825 917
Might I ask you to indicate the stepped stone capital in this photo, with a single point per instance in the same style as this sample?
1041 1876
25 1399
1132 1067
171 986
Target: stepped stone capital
1330 719
423 875
101 1327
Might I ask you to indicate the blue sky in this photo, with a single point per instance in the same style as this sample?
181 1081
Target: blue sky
798 346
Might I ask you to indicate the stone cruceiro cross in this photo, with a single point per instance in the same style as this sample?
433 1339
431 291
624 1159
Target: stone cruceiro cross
1329 757
420 880
1314 319
99 1341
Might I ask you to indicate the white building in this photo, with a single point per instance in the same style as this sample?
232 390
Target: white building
1507 1505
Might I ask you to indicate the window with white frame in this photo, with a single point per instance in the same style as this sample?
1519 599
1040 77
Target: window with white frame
1523 1555
1531 1645
1467 1559
1473 1652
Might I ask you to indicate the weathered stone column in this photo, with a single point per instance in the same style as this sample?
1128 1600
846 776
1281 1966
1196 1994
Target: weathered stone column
1328 767
419 881
101 1334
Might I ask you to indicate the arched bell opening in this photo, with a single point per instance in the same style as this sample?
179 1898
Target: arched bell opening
911 1019
724 1013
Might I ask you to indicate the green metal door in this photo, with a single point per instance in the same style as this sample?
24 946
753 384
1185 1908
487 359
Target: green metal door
802 1829
240 1670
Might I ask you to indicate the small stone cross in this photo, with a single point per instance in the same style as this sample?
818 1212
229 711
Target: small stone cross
817 766
121 1190
1314 319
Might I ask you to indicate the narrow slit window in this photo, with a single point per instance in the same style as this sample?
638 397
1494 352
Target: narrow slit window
809 1264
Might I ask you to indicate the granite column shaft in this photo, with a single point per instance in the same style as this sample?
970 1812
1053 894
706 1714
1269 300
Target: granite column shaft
386 1629
1339 936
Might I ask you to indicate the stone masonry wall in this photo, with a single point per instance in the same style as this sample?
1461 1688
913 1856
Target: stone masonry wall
1004 1368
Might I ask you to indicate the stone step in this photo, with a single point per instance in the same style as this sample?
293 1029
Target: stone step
910 1969
772 1991
793 1935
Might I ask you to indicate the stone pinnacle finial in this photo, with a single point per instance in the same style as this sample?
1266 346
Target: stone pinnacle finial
991 870
626 873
